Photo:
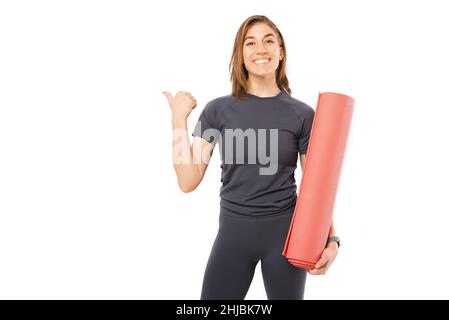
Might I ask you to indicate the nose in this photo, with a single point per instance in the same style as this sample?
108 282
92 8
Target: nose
261 48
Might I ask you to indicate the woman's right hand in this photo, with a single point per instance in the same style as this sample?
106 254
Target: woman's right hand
182 104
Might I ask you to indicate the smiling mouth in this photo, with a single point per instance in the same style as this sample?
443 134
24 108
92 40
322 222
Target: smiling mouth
261 62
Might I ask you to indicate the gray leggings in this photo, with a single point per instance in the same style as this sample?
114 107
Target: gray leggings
240 243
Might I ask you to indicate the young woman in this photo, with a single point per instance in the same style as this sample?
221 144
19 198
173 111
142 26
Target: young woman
260 129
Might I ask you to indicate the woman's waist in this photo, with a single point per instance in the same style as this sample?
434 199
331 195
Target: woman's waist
267 209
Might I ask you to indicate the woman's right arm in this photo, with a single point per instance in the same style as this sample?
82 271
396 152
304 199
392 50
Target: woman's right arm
190 161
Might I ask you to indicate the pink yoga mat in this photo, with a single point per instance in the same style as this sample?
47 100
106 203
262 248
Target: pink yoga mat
312 217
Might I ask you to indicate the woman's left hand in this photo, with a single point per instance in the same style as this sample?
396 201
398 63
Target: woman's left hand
327 257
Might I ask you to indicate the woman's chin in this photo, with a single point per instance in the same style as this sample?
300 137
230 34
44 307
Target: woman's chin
262 74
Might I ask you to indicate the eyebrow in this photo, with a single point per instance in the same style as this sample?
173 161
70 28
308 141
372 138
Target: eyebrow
251 37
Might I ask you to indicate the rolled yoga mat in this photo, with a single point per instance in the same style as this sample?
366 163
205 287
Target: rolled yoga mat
312 217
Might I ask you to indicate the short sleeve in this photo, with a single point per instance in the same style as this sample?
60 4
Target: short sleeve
304 136
206 125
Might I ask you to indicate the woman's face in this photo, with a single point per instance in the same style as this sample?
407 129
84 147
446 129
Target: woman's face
261 44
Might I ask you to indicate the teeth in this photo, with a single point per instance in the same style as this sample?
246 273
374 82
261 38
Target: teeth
261 61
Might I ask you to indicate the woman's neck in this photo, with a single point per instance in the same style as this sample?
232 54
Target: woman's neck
263 86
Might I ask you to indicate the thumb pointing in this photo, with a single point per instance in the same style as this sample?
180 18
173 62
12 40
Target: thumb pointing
168 95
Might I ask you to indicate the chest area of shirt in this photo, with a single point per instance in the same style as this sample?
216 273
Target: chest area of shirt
259 119
259 139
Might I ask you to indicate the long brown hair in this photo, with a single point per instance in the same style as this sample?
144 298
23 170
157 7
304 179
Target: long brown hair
239 74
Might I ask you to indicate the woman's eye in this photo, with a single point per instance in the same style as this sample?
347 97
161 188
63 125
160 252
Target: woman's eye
251 43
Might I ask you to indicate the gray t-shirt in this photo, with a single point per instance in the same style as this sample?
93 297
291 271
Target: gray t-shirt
259 140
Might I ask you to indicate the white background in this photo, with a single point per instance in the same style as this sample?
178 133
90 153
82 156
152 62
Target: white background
89 203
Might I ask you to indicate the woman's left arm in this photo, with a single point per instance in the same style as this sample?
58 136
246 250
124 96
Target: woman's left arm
330 252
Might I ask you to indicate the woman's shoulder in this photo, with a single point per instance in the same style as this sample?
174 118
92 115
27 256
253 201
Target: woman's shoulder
220 102
223 99
298 106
